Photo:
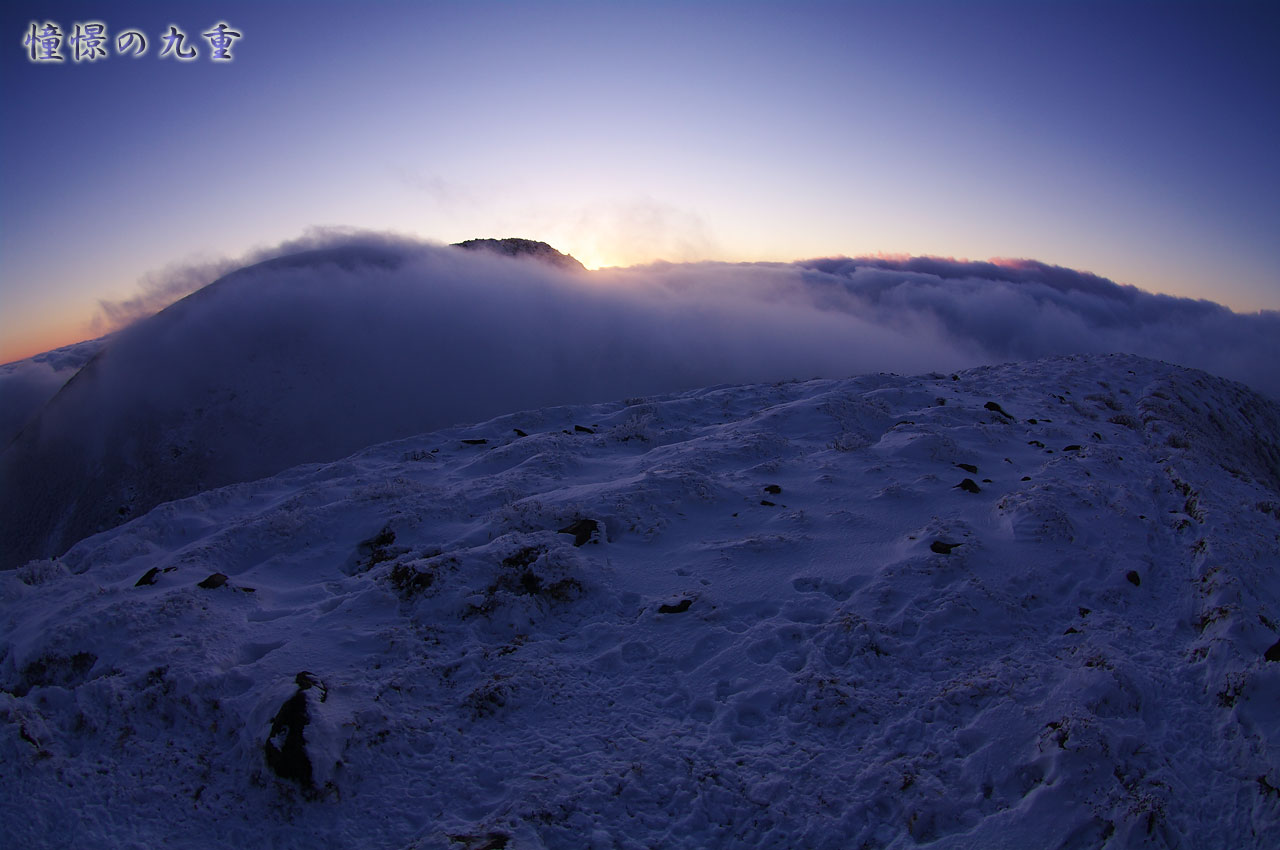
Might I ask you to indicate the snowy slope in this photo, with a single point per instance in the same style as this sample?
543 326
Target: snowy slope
757 616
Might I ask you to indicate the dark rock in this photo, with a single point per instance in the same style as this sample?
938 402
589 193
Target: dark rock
582 530
488 841
410 582
215 580
996 408
1134 578
1072 448
1036 443
523 557
377 549
1072 631
1273 654
679 608
519 433
1026 478
305 680
969 486
968 467
767 503
530 583
772 488
943 548
475 442
286 746
149 577
582 429
513 247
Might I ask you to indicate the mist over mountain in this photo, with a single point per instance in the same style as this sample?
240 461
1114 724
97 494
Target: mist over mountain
26 385
311 355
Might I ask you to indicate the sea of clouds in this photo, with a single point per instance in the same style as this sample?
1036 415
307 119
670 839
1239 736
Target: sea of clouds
340 341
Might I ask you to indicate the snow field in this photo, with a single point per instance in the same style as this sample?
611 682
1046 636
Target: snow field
761 616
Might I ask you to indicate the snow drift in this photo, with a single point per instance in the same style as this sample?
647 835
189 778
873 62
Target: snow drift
315 354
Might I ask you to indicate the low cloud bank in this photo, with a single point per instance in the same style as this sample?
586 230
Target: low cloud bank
26 385
358 339
1022 309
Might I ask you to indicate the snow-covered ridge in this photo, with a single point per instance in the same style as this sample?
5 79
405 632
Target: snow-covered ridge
1033 605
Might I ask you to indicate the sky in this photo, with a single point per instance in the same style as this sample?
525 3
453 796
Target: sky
1134 141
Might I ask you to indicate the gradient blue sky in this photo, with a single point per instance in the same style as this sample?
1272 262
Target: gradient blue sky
1137 141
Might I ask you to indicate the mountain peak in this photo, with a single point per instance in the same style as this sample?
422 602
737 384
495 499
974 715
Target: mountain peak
515 247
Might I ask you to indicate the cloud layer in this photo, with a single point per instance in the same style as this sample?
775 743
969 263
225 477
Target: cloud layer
26 385
360 339
1019 309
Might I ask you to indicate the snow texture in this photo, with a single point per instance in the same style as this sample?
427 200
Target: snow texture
751 616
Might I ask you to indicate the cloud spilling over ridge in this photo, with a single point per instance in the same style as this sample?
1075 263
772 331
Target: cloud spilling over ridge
964 312
354 340
161 287
1020 309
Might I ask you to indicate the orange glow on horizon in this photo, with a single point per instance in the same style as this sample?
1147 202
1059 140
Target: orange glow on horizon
29 343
